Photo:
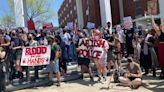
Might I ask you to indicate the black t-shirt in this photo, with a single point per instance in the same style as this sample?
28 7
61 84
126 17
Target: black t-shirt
161 37
129 35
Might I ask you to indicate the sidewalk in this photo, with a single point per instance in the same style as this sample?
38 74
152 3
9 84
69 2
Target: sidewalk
72 75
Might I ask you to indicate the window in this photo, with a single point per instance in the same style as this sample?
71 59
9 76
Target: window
67 15
75 7
71 12
138 7
67 5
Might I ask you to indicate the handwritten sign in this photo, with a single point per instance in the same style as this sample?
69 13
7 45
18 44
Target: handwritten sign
128 22
91 48
35 56
83 46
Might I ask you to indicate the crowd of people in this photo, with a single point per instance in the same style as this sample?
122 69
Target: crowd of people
139 46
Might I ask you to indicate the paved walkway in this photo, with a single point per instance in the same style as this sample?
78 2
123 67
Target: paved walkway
150 84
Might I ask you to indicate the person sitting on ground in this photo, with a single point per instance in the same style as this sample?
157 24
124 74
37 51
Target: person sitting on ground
132 76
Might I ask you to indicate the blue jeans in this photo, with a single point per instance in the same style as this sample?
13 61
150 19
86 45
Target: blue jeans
68 53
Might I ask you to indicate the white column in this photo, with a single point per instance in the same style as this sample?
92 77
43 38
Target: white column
121 9
20 13
161 8
105 9
79 14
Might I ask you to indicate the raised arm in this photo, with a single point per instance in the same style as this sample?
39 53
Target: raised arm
155 26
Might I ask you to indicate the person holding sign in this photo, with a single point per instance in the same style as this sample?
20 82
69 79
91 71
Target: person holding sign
99 54
83 55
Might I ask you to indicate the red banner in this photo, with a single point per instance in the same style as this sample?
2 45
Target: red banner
48 26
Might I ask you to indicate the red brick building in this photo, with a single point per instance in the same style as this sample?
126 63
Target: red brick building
91 11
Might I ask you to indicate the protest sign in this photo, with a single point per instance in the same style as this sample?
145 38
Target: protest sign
83 47
152 7
98 48
48 26
90 25
70 25
36 56
128 22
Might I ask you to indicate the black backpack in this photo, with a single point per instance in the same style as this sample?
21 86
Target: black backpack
117 74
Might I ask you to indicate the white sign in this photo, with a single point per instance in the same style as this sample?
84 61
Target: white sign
90 25
70 25
128 24
36 56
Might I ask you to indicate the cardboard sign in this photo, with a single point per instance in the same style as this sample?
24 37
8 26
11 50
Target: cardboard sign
93 49
98 48
83 46
152 7
128 24
90 25
36 56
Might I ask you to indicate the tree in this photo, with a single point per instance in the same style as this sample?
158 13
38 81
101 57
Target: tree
7 21
37 10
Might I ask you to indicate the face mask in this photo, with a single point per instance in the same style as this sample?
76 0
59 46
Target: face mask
14 34
29 39
97 37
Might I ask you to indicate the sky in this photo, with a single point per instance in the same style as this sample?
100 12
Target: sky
4 7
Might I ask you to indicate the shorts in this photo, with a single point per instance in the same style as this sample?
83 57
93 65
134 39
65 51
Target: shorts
110 56
53 67
131 78
102 61
83 61
17 56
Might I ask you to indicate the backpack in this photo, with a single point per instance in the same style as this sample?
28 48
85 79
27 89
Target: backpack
117 74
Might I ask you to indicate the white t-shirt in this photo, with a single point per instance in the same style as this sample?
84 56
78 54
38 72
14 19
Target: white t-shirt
67 38
121 36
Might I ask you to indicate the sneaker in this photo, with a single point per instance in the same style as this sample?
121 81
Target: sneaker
91 79
104 79
99 79
50 83
58 84
81 77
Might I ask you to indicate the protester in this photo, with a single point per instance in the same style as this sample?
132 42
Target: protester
145 57
33 42
159 28
129 37
137 47
53 67
67 40
84 60
117 52
2 70
132 75
121 38
16 47
101 62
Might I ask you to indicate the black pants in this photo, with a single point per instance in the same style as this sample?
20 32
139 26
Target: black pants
2 79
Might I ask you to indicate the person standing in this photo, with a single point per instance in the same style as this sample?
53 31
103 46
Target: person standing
100 62
67 40
159 29
2 70
129 37
83 59
53 67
